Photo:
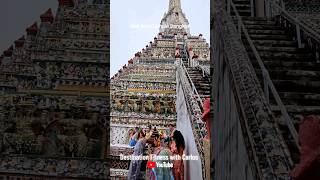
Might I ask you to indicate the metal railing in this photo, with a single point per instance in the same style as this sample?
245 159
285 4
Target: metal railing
302 33
267 82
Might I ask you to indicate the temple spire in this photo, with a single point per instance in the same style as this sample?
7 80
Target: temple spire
174 4
174 22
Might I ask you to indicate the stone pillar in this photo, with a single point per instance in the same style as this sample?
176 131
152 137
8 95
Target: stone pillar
259 8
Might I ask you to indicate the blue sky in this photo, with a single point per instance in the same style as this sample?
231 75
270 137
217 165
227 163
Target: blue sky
126 39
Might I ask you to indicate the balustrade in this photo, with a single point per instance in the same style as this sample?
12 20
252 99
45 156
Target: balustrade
257 129
193 99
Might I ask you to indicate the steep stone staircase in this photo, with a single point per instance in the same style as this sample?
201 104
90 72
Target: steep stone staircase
243 7
294 72
200 80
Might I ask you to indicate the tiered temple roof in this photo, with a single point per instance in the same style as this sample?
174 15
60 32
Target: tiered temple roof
144 92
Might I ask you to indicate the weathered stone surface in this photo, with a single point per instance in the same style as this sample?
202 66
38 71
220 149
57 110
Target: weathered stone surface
54 95
54 168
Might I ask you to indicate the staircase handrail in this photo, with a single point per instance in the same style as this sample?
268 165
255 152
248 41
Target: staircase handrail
193 108
194 89
299 25
242 98
266 77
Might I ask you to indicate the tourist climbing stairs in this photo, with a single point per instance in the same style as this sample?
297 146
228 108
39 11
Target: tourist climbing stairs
294 71
184 55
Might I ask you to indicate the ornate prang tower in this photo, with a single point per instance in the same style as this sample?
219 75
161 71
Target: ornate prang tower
54 96
175 21
166 82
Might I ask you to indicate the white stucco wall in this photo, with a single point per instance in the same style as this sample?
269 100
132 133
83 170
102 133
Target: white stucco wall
193 169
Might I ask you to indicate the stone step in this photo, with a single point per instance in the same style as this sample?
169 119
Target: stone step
203 92
195 74
243 6
293 71
301 85
265 27
282 49
194 71
291 65
242 12
252 22
266 32
203 87
201 83
236 2
295 110
205 96
278 49
257 19
275 43
283 56
241 1
302 99
198 76
268 36
293 74
206 93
